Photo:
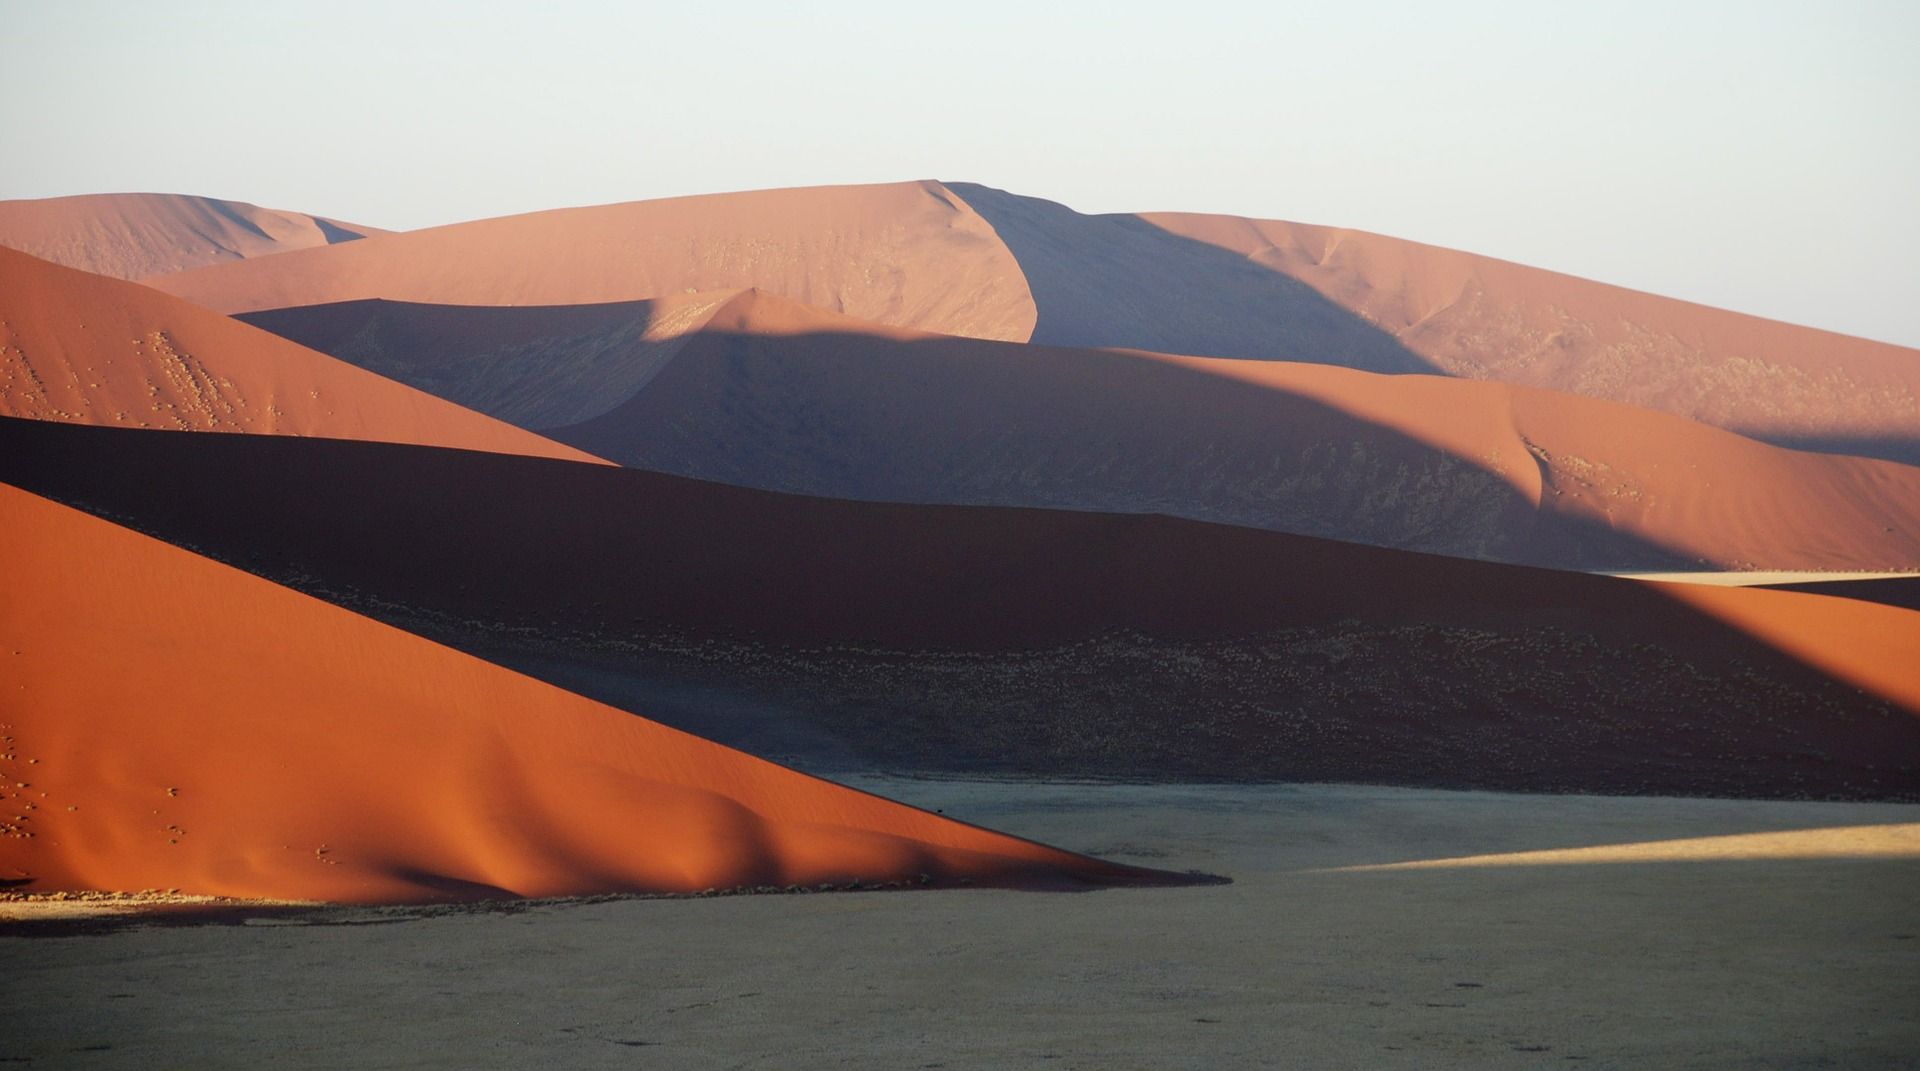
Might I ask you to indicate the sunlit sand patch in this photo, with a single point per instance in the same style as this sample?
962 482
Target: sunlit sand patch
1745 579
1900 841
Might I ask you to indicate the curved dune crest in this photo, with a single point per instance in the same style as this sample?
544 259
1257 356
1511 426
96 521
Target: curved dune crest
136 235
175 723
83 348
907 253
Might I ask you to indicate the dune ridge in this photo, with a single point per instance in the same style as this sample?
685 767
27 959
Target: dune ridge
750 388
137 235
83 348
175 723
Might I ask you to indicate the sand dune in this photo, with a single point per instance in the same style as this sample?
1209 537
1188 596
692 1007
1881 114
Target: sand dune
907 253
174 723
1044 641
966 259
76 347
135 235
1481 318
753 389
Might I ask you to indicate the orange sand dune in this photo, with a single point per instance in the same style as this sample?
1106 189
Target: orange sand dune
965 259
84 348
1481 318
906 253
174 723
134 235
757 390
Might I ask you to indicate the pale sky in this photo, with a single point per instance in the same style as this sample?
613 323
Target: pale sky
1759 156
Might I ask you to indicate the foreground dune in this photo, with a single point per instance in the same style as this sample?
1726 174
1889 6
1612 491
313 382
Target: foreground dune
83 348
753 389
135 235
1037 641
174 723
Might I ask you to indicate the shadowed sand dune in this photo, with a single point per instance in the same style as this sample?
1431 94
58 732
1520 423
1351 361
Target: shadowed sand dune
175 723
1037 641
77 347
756 390
135 235
966 259
906 253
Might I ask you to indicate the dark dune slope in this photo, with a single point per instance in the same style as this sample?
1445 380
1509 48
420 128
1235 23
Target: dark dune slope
960 637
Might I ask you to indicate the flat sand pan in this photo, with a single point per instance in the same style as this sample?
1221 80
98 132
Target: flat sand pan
1717 954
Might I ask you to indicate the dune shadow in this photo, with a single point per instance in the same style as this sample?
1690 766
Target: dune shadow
958 421
982 639
525 364
1118 280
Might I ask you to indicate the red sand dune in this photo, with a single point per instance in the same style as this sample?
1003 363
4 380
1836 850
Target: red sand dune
907 253
174 723
135 235
1363 663
82 348
757 390
1482 318
965 259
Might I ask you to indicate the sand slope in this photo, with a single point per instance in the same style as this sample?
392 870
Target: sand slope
1482 318
965 259
77 347
1047 641
754 389
135 235
906 253
171 722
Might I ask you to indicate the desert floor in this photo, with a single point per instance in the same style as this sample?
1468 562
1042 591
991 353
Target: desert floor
1799 947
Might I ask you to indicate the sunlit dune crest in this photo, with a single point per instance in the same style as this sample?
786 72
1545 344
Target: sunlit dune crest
1894 841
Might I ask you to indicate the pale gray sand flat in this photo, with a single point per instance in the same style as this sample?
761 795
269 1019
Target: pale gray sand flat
1728 962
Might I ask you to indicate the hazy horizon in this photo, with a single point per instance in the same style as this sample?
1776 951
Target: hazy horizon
1753 158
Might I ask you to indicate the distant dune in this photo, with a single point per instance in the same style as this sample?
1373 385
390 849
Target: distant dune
83 348
965 259
174 723
753 389
1039 641
135 235
908 253
1481 318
